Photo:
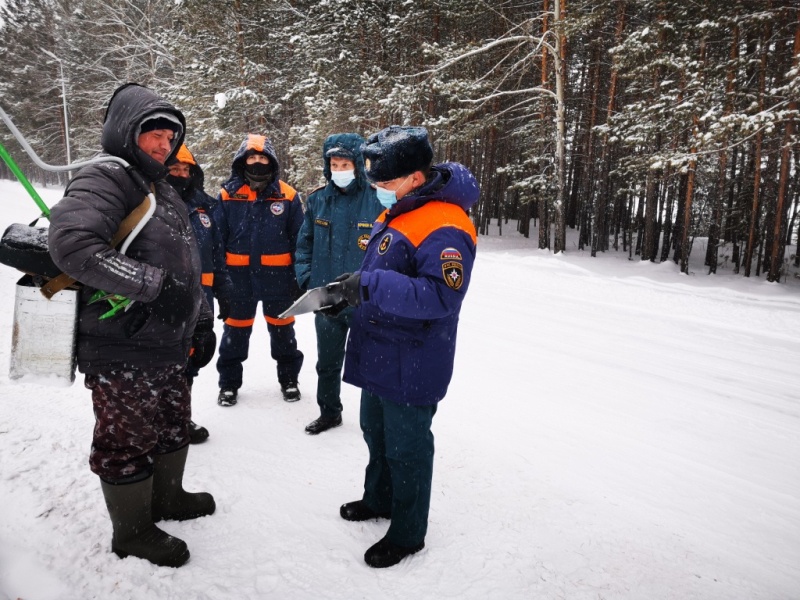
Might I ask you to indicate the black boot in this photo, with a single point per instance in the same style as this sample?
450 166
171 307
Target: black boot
170 500
385 553
129 505
227 397
197 433
359 511
323 424
291 393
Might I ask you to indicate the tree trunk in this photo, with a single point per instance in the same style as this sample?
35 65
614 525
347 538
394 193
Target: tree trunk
560 240
586 205
687 209
650 246
599 233
716 214
544 221
777 244
677 227
686 247
668 228
754 214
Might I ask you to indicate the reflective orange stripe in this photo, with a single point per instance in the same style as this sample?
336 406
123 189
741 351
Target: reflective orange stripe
279 322
276 260
244 194
267 260
237 260
240 322
207 279
191 351
287 191
420 223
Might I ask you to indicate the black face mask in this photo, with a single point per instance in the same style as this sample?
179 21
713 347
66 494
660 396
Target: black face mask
259 173
183 185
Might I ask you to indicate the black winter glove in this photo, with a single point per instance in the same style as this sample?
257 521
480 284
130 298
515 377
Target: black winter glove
224 303
204 343
344 291
174 303
349 288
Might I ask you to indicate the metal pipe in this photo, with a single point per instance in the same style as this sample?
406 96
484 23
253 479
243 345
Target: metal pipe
64 102
42 165
61 168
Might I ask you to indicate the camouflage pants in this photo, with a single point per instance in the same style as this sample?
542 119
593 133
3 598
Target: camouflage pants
138 413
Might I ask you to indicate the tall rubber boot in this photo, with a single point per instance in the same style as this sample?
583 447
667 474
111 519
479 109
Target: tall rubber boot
130 505
170 500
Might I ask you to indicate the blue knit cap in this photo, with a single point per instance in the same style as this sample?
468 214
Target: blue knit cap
397 151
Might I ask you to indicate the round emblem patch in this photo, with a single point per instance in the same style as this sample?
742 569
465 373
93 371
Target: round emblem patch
384 245
363 240
276 208
205 220
453 273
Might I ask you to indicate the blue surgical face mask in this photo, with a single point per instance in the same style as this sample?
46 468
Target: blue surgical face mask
386 197
389 197
343 178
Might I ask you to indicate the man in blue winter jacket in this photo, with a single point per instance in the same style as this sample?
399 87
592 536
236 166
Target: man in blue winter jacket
408 296
259 216
186 176
334 236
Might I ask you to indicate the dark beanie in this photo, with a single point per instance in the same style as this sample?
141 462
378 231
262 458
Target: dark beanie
397 151
341 152
160 122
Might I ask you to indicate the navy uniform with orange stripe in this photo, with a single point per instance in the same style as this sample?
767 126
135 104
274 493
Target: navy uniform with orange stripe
214 279
259 216
401 349
414 276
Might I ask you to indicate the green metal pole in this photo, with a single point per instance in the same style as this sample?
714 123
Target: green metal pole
24 181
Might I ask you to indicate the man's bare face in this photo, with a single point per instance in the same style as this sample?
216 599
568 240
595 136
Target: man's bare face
157 144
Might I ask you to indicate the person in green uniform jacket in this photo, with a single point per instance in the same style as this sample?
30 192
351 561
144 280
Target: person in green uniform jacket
335 232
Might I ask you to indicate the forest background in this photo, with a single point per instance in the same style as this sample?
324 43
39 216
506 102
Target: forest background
642 124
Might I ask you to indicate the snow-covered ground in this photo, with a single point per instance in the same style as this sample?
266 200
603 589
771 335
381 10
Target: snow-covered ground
614 430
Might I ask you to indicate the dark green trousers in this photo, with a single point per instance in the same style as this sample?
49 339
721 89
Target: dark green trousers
331 338
400 468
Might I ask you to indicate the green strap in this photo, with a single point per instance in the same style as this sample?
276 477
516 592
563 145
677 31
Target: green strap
24 181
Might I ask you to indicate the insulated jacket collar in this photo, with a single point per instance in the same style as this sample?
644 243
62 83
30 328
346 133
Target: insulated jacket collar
129 106
448 182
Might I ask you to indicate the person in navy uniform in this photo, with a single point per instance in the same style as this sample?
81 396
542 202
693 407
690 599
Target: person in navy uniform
407 297
259 216
186 176
336 227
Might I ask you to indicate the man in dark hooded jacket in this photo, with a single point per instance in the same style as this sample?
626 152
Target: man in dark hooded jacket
332 241
134 359
408 296
259 216
186 176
